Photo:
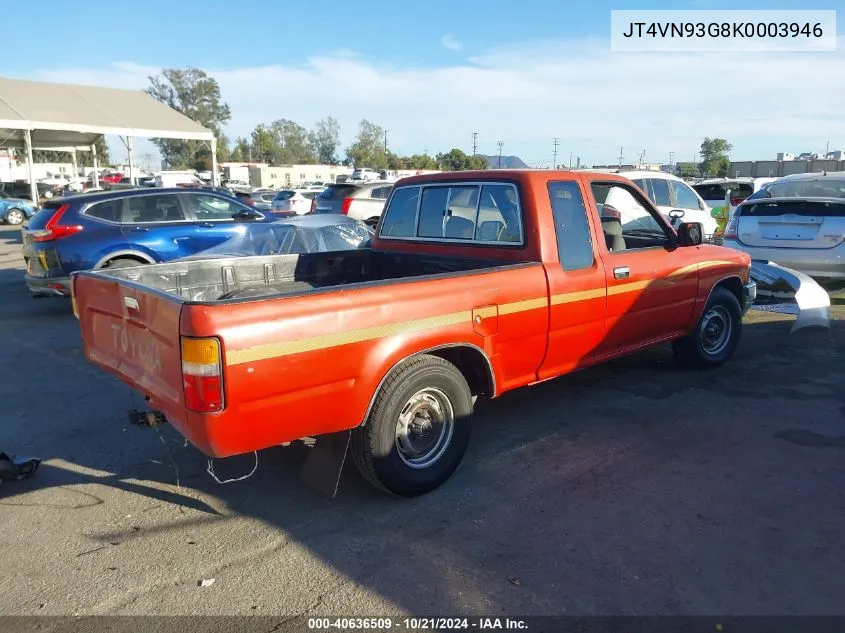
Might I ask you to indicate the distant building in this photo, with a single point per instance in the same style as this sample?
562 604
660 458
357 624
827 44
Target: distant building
836 155
786 156
294 175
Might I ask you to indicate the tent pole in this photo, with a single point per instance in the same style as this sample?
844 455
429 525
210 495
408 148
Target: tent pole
94 162
214 181
131 160
33 187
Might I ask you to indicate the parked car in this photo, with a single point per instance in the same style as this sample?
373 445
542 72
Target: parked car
381 352
365 174
120 228
715 190
20 189
293 235
262 200
293 202
15 210
797 222
112 177
360 201
668 192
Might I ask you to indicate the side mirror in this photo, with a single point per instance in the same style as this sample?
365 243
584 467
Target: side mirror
677 214
690 234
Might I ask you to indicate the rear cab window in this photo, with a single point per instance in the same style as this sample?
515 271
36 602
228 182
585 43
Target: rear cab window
484 213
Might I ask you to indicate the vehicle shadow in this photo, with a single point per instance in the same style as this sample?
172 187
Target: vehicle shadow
545 483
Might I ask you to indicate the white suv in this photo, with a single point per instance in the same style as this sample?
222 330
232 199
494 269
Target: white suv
365 174
668 192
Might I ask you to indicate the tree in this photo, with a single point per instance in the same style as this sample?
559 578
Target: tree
195 94
265 146
242 150
456 160
325 138
293 143
368 148
421 161
714 157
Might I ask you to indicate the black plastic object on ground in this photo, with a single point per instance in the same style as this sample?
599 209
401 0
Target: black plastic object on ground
14 467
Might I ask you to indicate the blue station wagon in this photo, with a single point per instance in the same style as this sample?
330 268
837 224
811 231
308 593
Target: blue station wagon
125 228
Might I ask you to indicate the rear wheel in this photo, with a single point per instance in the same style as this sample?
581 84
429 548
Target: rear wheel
15 216
716 336
123 262
418 429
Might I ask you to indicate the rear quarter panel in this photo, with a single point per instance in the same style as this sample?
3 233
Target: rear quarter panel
302 366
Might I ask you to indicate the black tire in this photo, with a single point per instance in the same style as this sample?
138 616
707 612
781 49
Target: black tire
375 448
706 347
123 262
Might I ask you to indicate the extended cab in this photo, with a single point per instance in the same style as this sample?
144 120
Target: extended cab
476 283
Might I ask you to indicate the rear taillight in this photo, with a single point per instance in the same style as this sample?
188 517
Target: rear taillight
55 231
313 205
731 229
736 201
344 208
250 202
202 375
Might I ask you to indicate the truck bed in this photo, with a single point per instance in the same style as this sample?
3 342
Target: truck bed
223 280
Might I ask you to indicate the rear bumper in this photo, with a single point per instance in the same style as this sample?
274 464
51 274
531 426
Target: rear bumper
49 286
821 263
749 294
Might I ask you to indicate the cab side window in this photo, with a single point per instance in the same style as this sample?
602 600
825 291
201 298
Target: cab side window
628 221
574 242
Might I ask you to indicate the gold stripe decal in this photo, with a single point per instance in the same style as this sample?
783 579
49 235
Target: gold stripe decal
323 341
286 348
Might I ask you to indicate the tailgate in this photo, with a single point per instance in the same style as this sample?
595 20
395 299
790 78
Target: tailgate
788 223
133 334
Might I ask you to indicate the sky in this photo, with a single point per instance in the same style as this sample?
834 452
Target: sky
433 73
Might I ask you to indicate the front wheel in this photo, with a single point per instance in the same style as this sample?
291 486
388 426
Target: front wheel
14 216
716 336
418 429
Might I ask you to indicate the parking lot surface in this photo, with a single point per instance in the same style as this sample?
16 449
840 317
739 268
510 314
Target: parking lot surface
633 488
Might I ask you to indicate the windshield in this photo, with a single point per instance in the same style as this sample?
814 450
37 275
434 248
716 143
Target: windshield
821 188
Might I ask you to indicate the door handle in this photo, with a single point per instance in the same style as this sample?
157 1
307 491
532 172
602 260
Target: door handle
621 272
139 229
206 225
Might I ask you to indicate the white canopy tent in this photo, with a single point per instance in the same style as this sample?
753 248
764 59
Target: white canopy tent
65 117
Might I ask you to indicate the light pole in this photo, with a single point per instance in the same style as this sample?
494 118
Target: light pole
500 144
554 160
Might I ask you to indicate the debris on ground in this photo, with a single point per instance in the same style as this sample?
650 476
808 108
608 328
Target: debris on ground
514 581
206 582
14 467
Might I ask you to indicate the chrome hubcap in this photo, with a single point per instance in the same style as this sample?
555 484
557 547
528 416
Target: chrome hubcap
715 330
424 428
15 217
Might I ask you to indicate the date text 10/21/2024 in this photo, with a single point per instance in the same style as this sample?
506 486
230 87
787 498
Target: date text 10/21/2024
421 624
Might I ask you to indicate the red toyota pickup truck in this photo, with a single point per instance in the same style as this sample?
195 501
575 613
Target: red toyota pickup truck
475 284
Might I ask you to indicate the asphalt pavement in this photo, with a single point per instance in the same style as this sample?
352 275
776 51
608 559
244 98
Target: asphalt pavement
633 488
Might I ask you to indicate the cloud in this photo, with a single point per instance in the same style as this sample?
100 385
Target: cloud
450 42
527 93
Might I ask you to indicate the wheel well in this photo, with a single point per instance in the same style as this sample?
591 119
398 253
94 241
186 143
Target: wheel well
734 284
134 258
473 364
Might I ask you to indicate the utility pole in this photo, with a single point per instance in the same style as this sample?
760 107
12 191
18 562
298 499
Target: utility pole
500 144
554 160
621 156
827 149
671 156
570 160
474 143
385 141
